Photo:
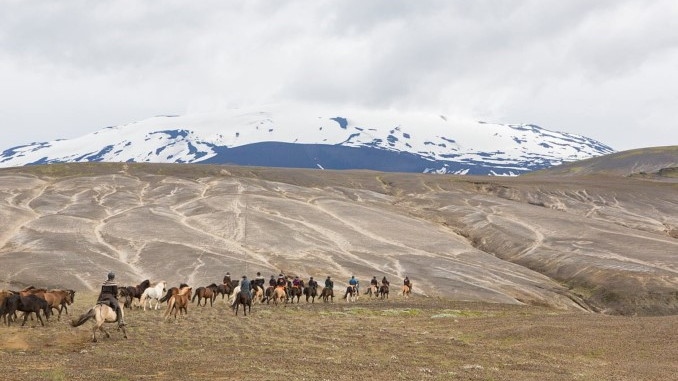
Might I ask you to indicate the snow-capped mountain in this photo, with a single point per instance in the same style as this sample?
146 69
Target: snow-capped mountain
292 137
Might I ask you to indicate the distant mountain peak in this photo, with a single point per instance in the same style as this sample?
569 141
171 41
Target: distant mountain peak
294 137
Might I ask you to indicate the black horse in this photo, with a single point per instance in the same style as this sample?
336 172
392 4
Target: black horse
27 304
311 292
243 298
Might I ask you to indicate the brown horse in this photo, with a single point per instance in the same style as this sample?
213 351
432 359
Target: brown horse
101 313
327 294
130 293
179 302
407 290
279 295
172 291
351 294
209 292
27 304
311 292
383 291
295 291
243 298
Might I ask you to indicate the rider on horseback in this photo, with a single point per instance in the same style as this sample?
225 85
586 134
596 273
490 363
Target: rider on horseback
271 282
245 285
109 295
282 283
407 283
329 283
227 278
353 282
374 281
384 281
260 281
296 282
312 283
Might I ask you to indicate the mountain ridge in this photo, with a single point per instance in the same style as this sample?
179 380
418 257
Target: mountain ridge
417 142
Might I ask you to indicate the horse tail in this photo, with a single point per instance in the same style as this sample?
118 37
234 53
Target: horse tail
167 296
83 318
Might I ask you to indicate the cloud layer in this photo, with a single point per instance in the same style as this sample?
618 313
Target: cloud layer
603 69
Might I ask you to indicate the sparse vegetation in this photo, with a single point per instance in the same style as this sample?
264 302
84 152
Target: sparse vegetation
415 338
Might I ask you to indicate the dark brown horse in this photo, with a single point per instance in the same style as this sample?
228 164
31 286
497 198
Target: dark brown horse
243 298
311 292
130 293
226 289
294 291
327 294
28 304
209 292
383 291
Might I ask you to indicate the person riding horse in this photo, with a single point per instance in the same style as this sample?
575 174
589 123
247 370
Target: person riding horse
245 285
282 283
407 283
272 282
260 281
312 283
385 282
296 282
227 278
374 281
353 282
109 297
329 283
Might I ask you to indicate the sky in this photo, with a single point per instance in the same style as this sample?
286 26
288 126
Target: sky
603 69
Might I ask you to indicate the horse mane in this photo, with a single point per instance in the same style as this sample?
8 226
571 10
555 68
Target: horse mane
212 285
184 291
144 284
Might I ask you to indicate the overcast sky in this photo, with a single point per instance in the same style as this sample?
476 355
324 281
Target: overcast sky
604 69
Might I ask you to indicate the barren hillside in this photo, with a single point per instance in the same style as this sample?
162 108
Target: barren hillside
596 243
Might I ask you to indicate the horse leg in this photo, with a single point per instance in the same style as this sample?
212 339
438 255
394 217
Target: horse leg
105 331
124 331
25 318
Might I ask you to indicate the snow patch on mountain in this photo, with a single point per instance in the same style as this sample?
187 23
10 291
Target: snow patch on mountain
448 145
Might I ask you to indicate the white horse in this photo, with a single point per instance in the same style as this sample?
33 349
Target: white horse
155 292
231 298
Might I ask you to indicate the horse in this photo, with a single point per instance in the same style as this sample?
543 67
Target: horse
295 291
243 298
351 294
101 313
134 292
172 291
372 291
209 292
383 291
179 302
27 304
327 294
226 289
311 292
153 292
407 290
279 295
258 293
57 299
4 294
268 294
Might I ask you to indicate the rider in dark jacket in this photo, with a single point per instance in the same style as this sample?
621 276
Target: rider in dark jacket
271 282
109 297
312 283
328 283
374 281
245 285
227 278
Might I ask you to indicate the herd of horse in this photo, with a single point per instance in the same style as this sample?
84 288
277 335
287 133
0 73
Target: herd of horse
33 300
